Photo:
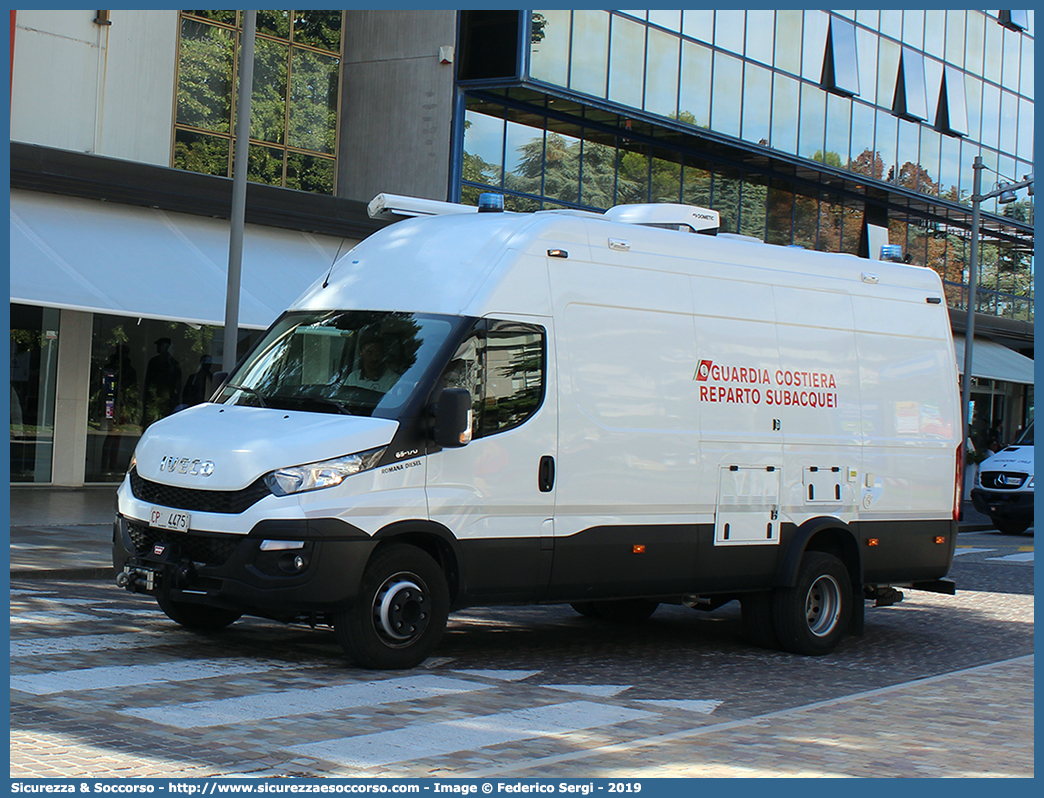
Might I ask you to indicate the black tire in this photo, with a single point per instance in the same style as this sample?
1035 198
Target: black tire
400 613
625 610
197 616
758 626
811 617
1008 527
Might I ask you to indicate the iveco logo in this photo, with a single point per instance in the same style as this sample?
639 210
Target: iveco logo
187 465
407 453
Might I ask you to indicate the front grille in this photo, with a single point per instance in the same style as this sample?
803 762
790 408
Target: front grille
209 549
200 501
1002 480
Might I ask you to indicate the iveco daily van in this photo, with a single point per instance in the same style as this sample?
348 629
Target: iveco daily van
1004 486
608 411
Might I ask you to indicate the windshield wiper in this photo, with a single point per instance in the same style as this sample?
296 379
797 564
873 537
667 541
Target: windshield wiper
340 407
254 391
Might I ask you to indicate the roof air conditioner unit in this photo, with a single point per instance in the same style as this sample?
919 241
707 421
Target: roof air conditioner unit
669 215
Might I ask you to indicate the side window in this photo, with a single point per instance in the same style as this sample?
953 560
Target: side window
514 375
502 366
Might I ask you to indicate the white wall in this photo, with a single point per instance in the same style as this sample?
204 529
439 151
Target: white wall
91 88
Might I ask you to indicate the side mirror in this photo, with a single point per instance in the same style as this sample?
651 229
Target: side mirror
453 418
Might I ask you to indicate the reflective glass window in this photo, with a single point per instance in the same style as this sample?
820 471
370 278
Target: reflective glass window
1009 121
627 62
913 29
313 101
590 52
1026 75
863 157
935 32
761 25
953 105
666 19
838 130
787 53
661 73
911 99
871 18
268 100
728 30
1016 20
1025 143
885 138
813 44
726 99
1012 57
975 42
866 43
34 378
811 127
831 221
786 96
549 46
929 161
698 25
696 182
841 64
955 44
933 71
204 96
994 53
319 29
907 158
727 188
780 214
888 54
483 148
598 186
632 178
806 220
666 176
973 97
524 158
561 168
950 169
892 23
753 206
990 115
694 101
757 104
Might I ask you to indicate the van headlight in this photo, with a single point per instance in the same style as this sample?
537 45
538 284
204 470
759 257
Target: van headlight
326 474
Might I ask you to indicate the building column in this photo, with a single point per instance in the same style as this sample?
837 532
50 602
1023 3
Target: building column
73 393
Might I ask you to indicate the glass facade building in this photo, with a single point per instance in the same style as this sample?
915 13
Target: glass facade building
799 127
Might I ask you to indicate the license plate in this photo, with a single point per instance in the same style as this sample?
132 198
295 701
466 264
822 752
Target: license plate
164 518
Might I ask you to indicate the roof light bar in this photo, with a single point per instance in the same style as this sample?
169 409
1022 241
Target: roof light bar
390 206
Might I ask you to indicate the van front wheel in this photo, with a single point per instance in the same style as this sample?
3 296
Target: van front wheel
811 617
400 613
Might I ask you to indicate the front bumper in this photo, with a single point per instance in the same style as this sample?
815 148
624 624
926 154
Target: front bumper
230 571
1014 505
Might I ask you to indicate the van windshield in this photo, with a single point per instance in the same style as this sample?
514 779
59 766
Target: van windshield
1026 439
361 363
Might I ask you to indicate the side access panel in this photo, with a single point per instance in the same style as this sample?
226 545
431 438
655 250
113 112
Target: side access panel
747 511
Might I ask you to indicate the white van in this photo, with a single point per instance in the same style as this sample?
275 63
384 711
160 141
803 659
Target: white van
1004 486
562 407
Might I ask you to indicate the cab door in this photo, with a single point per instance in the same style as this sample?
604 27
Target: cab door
497 493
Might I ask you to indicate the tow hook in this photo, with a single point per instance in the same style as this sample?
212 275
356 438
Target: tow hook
885 595
137 579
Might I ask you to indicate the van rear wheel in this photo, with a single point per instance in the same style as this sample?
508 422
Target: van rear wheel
400 613
811 617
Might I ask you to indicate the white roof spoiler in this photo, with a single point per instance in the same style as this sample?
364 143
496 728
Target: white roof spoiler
390 206
667 214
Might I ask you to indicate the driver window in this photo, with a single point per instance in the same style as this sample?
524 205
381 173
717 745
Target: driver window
502 366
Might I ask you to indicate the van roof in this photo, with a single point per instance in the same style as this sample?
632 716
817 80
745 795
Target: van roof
449 263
